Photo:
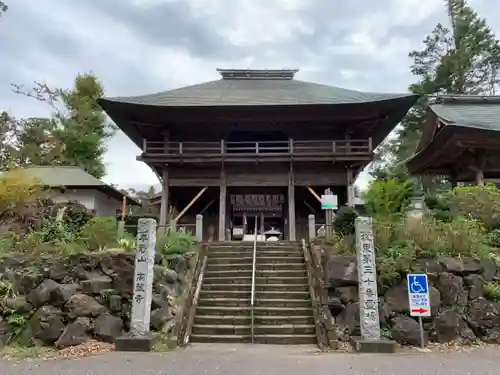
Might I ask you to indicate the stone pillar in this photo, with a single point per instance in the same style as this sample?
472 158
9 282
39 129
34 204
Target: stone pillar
139 338
199 227
367 276
350 188
312 227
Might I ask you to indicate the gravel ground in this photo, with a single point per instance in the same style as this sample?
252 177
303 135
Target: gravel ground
264 360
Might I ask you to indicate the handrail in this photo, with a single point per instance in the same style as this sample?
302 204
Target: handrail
334 147
254 258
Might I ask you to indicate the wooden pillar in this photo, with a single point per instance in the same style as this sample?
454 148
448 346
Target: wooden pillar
350 187
222 205
162 229
479 177
291 204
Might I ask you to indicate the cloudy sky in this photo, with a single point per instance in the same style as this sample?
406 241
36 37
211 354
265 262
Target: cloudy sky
143 46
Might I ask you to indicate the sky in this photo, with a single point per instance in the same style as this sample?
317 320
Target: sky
139 47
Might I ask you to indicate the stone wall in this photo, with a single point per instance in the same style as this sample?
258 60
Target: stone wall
461 310
68 301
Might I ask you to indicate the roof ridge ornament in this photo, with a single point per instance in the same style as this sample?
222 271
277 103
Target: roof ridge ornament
257 74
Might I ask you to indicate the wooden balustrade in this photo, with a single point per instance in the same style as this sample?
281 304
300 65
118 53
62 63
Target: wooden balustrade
262 148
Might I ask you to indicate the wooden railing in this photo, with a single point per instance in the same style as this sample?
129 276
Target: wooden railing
292 147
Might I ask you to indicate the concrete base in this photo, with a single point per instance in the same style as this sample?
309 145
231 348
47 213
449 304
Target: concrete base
373 346
134 343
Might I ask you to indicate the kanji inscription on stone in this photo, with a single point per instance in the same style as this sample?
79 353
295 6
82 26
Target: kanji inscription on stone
143 276
367 279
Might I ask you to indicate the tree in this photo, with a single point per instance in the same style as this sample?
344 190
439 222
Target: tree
74 135
3 7
464 59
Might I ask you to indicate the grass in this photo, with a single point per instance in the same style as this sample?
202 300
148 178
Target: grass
164 343
11 352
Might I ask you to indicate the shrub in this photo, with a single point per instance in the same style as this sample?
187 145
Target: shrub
17 189
491 291
477 202
493 238
388 197
99 233
175 243
343 223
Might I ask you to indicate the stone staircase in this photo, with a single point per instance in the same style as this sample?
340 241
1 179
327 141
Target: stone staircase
282 306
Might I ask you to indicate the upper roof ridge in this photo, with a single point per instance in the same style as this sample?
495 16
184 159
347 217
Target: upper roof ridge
270 74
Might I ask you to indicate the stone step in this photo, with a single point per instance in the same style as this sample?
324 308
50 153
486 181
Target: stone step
258 310
210 279
224 302
228 273
228 267
259 294
300 272
245 329
258 319
248 261
258 339
279 253
280 280
258 287
282 302
235 254
229 302
229 260
280 266
261 259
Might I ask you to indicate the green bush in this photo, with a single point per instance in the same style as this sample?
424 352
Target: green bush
99 233
176 243
477 202
343 223
388 197
493 238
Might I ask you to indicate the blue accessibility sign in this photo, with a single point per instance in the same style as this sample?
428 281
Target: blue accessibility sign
418 295
417 283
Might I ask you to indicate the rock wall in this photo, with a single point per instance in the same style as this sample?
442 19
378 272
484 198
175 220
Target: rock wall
69 301
461 310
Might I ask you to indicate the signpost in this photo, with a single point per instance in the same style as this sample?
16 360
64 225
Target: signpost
419 299
329 202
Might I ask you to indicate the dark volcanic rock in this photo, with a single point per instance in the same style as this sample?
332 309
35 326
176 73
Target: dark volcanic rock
475 284
45 326
75 333
347 293
82 305
452 289
107 327
19 304
447 325
484 316
341 271
62 293
396 299
459 266
159 317
406 331
96 284
41 295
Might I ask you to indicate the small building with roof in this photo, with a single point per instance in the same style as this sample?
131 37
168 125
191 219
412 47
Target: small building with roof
73 184
255 148
460 140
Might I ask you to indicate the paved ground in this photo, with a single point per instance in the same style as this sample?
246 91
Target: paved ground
264 360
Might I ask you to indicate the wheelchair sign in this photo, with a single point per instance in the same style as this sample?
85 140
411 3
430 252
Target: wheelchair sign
418 295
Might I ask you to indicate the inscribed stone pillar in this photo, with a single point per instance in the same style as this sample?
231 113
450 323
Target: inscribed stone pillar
222 206
367 279
143 276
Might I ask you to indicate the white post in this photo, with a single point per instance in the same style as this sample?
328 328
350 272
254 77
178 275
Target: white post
367 276
312 227
199 227
143 276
